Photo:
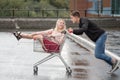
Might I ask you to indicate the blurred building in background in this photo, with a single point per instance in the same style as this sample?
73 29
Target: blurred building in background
96 7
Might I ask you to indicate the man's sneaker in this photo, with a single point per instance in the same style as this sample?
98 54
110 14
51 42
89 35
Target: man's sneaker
17 35
114 65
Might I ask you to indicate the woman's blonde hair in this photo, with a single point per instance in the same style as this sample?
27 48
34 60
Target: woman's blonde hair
56 27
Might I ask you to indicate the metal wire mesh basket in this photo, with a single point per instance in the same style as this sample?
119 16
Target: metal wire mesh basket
37 47
49 46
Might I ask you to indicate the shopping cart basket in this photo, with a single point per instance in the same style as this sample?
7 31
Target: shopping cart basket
52 49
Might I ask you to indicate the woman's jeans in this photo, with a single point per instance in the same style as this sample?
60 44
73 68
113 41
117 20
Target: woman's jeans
100 49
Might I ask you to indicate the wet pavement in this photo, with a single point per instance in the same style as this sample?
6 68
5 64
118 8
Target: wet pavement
113 41
17 59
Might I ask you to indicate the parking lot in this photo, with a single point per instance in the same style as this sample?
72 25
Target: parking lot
17 59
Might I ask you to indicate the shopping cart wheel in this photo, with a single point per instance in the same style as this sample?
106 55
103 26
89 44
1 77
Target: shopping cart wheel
68 71
35 69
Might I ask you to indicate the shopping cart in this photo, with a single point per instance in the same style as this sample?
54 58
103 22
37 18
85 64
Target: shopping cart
52 49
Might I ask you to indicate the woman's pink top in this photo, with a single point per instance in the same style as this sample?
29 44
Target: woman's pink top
54 36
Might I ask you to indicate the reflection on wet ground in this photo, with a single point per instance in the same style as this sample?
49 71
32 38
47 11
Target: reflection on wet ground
77 60
113 41
17 59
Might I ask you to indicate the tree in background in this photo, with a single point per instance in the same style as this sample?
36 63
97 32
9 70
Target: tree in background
32 7
60 4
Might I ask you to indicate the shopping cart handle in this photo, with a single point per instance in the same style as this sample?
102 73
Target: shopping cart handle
64 32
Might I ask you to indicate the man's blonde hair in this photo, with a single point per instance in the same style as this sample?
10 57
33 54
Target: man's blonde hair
56 27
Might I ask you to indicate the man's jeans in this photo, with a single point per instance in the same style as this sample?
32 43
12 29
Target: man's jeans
100 49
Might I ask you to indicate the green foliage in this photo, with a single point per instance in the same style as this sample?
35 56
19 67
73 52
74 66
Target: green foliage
35 7
10 4
60 3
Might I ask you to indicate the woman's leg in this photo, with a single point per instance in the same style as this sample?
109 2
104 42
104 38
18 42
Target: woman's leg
20 35
27 36
40 38
100 49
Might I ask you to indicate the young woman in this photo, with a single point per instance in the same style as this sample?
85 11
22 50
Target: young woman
51 36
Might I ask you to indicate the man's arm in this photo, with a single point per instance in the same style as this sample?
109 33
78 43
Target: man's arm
83 28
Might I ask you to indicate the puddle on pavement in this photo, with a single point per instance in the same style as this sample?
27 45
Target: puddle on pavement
80 73
81 62
76 60
75 53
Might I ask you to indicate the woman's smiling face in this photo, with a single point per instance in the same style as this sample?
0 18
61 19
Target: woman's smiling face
61 24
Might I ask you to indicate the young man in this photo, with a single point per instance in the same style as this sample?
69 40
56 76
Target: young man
95 33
